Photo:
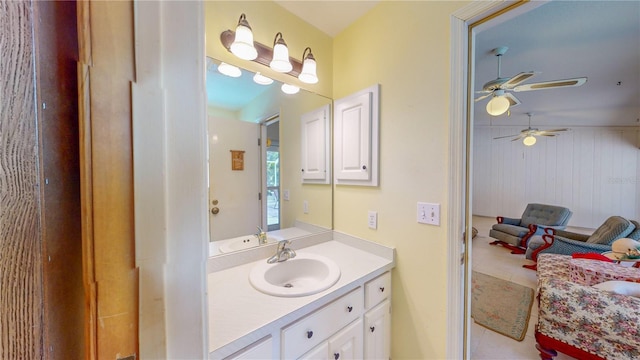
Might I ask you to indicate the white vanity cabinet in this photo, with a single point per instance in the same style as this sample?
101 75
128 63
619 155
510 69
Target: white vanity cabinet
259 350
377 319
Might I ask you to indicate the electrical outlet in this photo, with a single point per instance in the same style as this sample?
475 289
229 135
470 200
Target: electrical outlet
373 220
305 207
285 194
429 213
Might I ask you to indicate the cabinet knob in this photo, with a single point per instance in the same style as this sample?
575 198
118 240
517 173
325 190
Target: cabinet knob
382 289
336 356
372 328
215 210
364 167
349 308
302 170
309 334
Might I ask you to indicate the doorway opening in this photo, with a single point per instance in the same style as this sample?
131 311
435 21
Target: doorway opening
271 162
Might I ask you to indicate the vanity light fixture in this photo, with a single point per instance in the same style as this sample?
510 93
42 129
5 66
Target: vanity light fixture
229 70
529 140
242 45
261 79
289 89
308 74
499 104
276 58
280 61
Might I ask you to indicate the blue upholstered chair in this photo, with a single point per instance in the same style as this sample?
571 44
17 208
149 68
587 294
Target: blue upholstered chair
514 233
568 243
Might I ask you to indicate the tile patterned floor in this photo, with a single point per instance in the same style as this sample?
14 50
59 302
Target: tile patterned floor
499 262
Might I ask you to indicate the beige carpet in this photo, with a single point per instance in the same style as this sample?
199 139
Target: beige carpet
500 305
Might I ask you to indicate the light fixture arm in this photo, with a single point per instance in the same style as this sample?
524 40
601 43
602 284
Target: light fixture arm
310 55
265 53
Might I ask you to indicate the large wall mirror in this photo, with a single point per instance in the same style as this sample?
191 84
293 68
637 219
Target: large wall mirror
256 151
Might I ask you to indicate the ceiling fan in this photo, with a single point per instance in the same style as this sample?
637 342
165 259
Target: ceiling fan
529 134
500 88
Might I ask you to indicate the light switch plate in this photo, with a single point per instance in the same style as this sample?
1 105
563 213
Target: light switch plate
373 220
428 213
285 194
305 207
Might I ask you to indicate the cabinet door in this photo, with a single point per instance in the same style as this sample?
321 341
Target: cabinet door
259 350
315 146
356 138
320 352
347 343
377 334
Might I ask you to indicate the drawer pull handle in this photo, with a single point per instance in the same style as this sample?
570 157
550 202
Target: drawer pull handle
372 328
382 289
336 356
309 334
349 308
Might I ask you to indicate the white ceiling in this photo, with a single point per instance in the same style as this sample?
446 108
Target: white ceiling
567 39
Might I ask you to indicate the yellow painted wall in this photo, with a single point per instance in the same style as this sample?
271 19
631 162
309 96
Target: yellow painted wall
267 18
404 46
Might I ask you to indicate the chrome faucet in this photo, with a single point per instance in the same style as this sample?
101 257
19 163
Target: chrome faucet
283 253
262 236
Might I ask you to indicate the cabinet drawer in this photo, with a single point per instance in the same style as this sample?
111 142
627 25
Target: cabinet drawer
259 350
377 290
318 326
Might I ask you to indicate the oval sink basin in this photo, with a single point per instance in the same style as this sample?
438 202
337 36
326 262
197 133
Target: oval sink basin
306 274
241 243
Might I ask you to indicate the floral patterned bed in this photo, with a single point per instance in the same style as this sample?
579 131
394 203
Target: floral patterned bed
595 321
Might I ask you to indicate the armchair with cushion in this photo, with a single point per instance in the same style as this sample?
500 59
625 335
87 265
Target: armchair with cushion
568 243
515 233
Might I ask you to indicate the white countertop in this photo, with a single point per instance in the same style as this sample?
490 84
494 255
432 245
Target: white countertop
237 311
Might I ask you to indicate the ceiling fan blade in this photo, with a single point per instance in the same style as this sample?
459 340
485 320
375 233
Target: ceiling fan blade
554 130
483 97
551 84
517 79
513 100
506 136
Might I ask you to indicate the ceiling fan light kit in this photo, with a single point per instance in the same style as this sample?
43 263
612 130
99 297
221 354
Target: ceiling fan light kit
241 44
529 134
498 87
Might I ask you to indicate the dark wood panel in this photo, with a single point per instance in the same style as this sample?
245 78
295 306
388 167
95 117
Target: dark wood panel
57 87
21 313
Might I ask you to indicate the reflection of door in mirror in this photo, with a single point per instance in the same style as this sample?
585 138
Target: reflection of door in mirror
271 187
237 205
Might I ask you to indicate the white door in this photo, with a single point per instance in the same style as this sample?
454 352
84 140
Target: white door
377 335
347 343
239 209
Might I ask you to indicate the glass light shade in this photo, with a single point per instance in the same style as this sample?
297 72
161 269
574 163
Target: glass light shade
229 70
498 105
529 140
280 61
261 79
242 46
308 74
290 89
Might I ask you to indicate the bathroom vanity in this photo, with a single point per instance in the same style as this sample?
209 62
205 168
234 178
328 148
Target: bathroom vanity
349 320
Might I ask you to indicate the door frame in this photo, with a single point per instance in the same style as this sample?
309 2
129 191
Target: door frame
465 23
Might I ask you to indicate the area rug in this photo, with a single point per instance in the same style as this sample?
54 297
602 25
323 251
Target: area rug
500 305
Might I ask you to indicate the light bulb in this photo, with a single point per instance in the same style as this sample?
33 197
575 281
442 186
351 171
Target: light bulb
308 74
290 89
261 79
242 45
229 70
280 61
529 140
498 105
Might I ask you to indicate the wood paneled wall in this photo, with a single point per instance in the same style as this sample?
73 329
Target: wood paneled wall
21 314
41 302
595 172
106 71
